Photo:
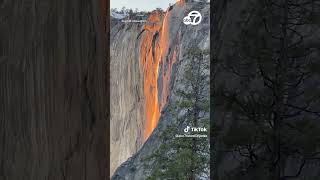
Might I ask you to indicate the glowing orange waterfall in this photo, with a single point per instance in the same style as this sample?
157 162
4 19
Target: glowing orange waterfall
153 48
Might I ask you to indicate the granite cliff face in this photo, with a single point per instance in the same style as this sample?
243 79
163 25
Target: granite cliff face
127 98
159 47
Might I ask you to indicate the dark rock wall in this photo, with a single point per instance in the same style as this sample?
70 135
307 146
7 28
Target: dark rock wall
53 93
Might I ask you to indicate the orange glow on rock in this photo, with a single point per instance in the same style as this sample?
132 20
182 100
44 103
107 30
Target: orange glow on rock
181 2
153 48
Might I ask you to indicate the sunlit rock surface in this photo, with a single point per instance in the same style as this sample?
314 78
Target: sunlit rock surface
171 41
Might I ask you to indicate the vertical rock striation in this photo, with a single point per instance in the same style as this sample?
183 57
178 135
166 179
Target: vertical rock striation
139 53
53 96
127 97
166 44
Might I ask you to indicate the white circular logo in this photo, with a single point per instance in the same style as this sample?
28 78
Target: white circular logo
193 18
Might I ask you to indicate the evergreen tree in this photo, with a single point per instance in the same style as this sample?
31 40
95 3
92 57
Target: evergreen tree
187 157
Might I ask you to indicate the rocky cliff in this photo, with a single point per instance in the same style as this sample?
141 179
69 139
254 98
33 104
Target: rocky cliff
159 46
127 102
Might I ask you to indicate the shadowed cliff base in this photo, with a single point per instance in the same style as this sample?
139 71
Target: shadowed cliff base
54 96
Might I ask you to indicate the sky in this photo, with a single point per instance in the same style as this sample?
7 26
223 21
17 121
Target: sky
145 5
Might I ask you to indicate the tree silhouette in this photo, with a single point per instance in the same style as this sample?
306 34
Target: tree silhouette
270 104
